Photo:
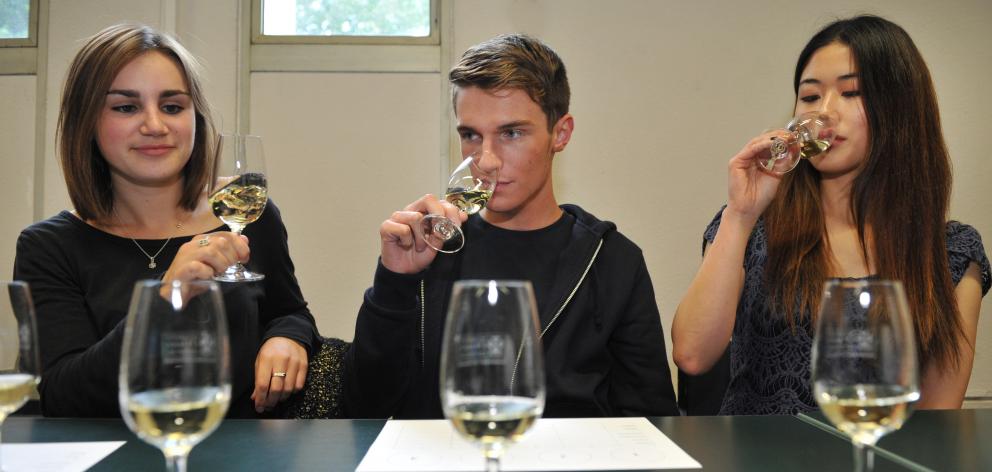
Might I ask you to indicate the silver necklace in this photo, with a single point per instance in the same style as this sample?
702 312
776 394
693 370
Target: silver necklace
151 257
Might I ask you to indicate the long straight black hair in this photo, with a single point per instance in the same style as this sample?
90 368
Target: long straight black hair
899 200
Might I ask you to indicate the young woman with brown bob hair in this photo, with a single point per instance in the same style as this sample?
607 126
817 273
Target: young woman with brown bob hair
136 140
874 205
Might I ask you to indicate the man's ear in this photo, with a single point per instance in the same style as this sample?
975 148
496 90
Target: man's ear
561 133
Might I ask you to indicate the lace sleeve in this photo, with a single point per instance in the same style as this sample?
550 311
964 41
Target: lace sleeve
964 246
711 228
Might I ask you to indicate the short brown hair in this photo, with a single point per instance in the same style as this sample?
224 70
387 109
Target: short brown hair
516 61
86 172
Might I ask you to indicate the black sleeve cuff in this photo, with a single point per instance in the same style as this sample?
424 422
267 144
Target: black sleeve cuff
393 290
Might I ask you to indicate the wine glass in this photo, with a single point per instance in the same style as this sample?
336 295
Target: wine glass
238 192
175 376
20 368
810 134
492 366
469 188
864 360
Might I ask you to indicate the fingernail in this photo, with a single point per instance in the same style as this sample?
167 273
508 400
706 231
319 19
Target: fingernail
259 409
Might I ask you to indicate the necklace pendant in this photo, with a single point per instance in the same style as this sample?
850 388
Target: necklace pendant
151 263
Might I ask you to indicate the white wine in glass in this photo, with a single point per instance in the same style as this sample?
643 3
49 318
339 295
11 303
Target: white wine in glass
809 135
175 376
239 192
20 367
864 361
492 367
470 187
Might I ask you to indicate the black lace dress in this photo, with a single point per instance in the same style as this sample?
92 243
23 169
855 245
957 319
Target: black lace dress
769 364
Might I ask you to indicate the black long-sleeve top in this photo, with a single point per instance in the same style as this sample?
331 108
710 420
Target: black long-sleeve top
81 279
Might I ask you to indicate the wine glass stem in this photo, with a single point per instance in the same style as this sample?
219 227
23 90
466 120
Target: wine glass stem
236 268
492 464
864 460
176 463
2 417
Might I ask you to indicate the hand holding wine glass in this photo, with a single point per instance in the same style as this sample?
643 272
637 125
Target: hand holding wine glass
471 185
492 368
239 192
175 375
20 367
864 360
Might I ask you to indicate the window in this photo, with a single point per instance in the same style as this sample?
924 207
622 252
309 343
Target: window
17 20
346 35
346 21
18 37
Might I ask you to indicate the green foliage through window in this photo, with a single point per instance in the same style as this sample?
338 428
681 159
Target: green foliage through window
346 17
14 18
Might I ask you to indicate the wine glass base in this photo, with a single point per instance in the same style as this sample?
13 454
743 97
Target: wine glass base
442 234
245 276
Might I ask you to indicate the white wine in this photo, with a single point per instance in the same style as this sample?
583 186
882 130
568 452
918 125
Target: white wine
14 391
241 201
866 412
175 419
813 148
494 419
470 201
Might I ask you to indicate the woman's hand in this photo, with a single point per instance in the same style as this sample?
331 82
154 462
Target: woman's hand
404 250
751 188
206 255
280 371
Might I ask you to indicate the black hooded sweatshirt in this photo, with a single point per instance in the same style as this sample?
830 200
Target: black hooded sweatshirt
604 348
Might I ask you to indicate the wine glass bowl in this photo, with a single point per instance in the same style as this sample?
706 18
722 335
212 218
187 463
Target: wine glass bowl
808 135
864 362
239 192
492 369
20 367
469 188
174 381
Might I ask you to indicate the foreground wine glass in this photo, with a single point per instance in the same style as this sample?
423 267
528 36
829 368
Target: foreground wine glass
810 134
864 360
174 378
20 369
469 188
238 192
492 366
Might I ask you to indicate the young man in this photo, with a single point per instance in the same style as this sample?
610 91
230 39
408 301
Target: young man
603 343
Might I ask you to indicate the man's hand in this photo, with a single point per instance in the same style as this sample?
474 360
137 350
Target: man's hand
404 250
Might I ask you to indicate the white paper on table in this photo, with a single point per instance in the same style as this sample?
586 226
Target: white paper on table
55 457
553 444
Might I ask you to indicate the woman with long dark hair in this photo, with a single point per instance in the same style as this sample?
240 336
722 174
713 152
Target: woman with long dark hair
874 205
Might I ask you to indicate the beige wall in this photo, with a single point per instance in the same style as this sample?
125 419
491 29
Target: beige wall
16 163
664 93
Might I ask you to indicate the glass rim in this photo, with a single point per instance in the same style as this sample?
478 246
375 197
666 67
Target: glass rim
149 283
486 282
18 283
861 283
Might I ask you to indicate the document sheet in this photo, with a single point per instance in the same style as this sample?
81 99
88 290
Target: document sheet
55 457
552 444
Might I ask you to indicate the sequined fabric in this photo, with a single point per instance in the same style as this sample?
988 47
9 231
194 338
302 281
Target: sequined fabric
322 394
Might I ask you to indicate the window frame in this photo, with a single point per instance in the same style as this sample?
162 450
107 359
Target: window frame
32 39
19 56
433 39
